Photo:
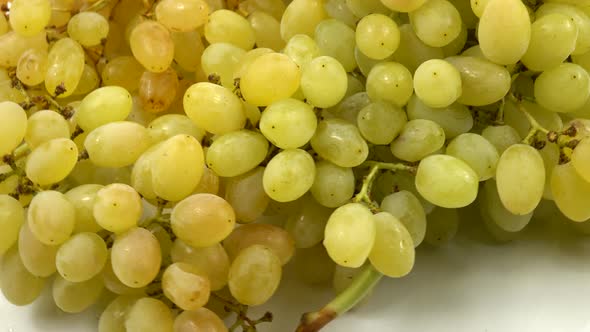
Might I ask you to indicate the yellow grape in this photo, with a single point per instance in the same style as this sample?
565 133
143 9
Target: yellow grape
152 46
182 15
12 216
52 161
65 65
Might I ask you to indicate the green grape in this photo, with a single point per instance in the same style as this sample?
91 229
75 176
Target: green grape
37 257
88 81
214 108
182 15
324 82
377 36
350 107
272 7
86 172
112 319
418 139
314 266
254 275
51 161
82 257
570 192
492 207
339 10
88 28
550 154
18 285
515 117
157 91
236 153
477 152
117 207
149 315
404 6
362 8
350 234
117 144
141 174
222 59
289 175
29 17
412 51
340 143
483 82
442 226
446 181
437 23
31 67
269 78
201 319
576 15
168 125
13 126
302 17
184 285
393 252
405 207
333 185
245 193
102 106
504 31
12 217
336 40
553 39
51 217
364 63
564 88
152 45
272 237
288 123
131 269
209 182
202 220
501 137
83 198
123 71
467 15
454 119
65 65
211 261
458 44
478 6
302 49
267 30
226 26
520 176
437 83
14 46
245 60
306 225
188 49
581 158
390 82
113 284
75 297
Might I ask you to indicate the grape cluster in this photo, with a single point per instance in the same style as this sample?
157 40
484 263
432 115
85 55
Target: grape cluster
175 155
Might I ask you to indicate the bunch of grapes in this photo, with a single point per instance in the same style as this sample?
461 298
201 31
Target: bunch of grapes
175 155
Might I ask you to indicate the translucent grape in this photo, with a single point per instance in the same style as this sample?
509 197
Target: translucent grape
12 216
201 319
273 237
123 71
245 193
458 44
390 82
393 251
37 257
222 59
306 225
31 67
362 8
478 6
237 152
183 284
492 207
377 36
157 91
117 144
454 119
117 207
112 319
226 26
403 5
13 127
88 28
14 45
83 198
340 143
267 30
437 83
152 46
81 257
65 65
302 17
74 297
131 269
406 208
337 40
29 17
418 138
570 192
576 15
182 15
333 185
209 182
324 82
288 123
301 49
88 81
102 106
149 315
339 10
211 261
51 217
168 125
477 152
18 285
412 51
564 88
501 137
289 175
51 161
442 226
437 23
188 48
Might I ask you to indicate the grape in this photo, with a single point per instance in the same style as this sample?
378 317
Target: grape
117 207
412 51
37 257
333 185
442 226
289 175
362 8
393 251
201 319
302 17
19 286
515 117
273 237
88 28
29 17
458 44
454 119
339 10
169 125
491 207
102 106
245 193
152 46
306 225
377 36
13 127
123 71
418 138
52 161
113 284
112 318
51 217
340 143
478 6
390 82
581 157
225 26
183 284
272 7
209 183
182 15
254 275
133 270
188 48
149 315
446 181
576 15
570 192
267 30
222 59
31 67
88 81
477 152
324 82
564 88
158 90
404 206
302 49
12 216
244 61
65 65
288 123
437 23
237 152
212 261
81 257
73 297
350 234
437 83
83 198
14 45
117 144
501 137
380 122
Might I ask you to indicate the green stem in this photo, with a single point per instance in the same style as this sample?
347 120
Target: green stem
21 151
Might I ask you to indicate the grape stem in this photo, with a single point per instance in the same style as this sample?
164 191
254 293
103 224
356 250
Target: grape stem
535 126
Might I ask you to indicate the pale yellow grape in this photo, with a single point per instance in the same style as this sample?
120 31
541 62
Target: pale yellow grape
177 167
340 142
350 234
364 63
52 161
324 82
273 7
246 59
289 175
65 65
222 59
405 207
13 126
117 207
141 174
313 265
88 82
83 198
491 205
165 240
182 15
458 44
245 193
302 49
483 82
149 315
29 17
31 67
289 123
436 23
168 125
504 31
117 144
333 185
393 252
377 36
18 285
102 106
237 152
82 257
113 284
214 108
209 182
184 285
226 26
581 158
37 257
381 122
270 78
152 46
350 107
437 83
412 51
302 17
570 192
273 237
442 226
390 82
157 91
14 45
112 319
339 10
337 40
520 176
478 6
362 8
12 216
131 269
88 28
446 181
417 139
267 30
51 217
454 119
212 261
553 39
201 319
188 48
564 88
254 275
306 225
576 15
477 152
123 71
